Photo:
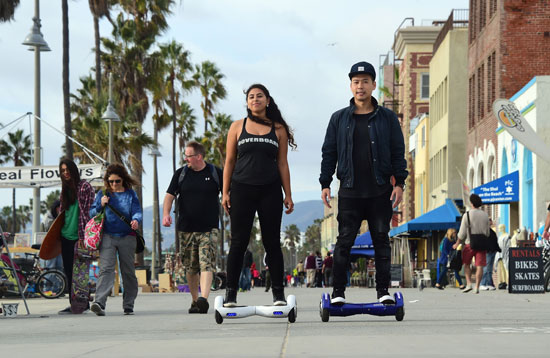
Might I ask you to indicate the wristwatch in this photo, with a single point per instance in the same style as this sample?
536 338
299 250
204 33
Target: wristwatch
402 186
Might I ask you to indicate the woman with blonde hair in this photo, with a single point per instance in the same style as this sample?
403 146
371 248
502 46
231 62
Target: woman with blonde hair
445 249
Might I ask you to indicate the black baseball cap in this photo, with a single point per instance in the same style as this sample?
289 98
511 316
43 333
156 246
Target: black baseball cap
362 68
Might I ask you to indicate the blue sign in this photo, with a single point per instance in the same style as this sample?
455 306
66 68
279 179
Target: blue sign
500 191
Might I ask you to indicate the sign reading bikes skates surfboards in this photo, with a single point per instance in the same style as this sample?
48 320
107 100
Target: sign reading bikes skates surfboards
525 268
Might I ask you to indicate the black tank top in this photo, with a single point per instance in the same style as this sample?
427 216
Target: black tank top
256 158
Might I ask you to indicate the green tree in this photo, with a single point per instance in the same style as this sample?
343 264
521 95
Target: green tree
292 240
185 127
7 9
17 149
215 139
208 79
177 66
312 238
65 76
99 9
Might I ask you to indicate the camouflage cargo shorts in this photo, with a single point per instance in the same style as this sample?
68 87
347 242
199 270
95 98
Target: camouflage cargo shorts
198 251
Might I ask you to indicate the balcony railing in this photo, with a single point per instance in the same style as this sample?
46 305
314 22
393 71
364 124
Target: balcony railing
458 18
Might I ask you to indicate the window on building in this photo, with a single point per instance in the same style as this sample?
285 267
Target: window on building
425 86
473 22
482 14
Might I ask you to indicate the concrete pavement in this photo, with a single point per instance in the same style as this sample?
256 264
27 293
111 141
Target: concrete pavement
436 323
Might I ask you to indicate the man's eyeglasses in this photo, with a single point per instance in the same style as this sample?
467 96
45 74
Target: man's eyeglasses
117 181
190 156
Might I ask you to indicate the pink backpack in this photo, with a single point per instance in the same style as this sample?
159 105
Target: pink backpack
93 232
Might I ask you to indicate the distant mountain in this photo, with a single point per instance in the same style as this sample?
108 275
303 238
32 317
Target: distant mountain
305 212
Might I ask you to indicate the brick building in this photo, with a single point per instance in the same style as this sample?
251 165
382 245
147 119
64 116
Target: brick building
509 44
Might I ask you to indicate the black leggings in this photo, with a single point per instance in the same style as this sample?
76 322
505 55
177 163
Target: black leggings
67 254
246 200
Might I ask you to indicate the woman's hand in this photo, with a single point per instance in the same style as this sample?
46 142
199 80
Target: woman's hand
226 203
289 205
104 200
134 224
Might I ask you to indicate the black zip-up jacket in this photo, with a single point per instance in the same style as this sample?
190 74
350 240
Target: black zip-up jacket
387 147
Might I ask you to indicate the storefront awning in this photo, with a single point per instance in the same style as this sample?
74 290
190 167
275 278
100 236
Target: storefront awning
363 245
442 218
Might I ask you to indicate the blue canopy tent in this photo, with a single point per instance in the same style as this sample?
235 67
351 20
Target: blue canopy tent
439 219
363 245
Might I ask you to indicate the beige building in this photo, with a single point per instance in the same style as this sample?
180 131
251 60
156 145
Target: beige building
329 225
448 111
418 146
413 48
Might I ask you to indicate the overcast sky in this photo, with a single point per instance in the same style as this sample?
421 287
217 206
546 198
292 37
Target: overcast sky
300 50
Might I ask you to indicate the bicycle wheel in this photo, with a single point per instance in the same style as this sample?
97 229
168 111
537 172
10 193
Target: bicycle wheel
216 283
51 284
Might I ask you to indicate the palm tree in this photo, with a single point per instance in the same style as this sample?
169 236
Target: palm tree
176 61
185 127
7 9
292 239
216 138
208 79
99 9
65 76
130 58
18 150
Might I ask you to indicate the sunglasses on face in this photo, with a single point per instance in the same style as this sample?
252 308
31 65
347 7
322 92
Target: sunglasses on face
117 181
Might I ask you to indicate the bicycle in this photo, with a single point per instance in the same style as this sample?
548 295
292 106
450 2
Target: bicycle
50 283
218 281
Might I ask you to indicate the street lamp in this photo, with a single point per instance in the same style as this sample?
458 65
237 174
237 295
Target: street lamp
110 116
154 152
35 40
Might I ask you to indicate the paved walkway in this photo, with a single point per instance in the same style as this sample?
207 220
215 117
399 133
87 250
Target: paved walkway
437 323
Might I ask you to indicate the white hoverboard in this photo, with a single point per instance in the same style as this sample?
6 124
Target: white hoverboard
290 310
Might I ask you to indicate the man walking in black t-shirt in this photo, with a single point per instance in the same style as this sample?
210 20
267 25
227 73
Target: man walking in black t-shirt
197 187
366 142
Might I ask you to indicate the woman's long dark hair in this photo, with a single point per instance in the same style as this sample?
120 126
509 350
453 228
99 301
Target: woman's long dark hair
120 170
272 112
68 188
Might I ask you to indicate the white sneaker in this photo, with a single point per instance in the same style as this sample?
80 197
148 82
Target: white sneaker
491 288
467 289
484 288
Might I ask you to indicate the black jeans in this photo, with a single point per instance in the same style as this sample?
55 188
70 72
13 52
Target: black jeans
67 254
351 211
246 200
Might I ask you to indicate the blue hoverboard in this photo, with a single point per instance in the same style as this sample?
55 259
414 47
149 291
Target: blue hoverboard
326 309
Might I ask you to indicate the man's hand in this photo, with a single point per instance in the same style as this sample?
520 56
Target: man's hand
396 196
167 220
325 195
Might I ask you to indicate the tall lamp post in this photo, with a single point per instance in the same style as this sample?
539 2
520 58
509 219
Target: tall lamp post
154 152
110 116
36 41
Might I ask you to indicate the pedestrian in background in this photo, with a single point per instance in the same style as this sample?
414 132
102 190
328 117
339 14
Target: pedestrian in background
310 269
487 278
318 269
77 195
197 187
246 278
444 251
327 270
475 221
119 239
